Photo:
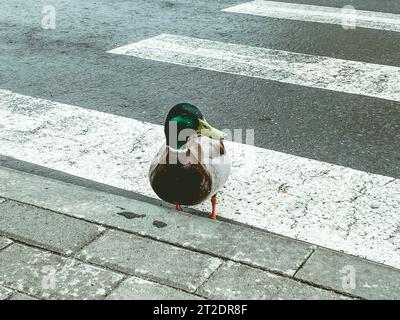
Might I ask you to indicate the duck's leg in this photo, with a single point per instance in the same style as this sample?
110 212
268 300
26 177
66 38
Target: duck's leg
178 207
214 206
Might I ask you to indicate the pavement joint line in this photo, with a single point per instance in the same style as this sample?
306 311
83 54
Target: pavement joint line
353 296
8 297
19 291
304 262
115 286
192 293
209 277
96 237
7 245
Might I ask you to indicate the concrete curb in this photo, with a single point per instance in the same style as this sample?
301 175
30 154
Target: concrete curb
297 269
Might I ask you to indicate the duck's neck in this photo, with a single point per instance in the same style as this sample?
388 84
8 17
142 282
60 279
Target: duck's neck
175 145
180 148
174 127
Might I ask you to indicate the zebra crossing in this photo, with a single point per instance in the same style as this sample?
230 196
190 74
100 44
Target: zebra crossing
333 206
347 16
288 67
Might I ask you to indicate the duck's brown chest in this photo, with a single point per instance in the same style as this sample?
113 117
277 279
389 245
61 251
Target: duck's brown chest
186 184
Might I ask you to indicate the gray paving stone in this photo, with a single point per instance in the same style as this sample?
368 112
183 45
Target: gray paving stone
138 289
4 242
20 296
150 259
4 293
257 248
45 228
9 294
235 281
335 270
46 275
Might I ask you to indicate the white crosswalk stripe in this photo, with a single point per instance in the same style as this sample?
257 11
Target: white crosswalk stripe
325 204
346 76
341 16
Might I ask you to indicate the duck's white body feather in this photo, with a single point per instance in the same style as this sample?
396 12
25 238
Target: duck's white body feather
215 160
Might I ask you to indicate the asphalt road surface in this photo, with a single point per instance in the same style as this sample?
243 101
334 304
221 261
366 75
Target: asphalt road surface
70 64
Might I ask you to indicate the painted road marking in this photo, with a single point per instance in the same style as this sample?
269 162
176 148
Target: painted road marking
304 12
347 76
325 204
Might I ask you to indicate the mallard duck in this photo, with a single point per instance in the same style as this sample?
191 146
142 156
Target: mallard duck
193 164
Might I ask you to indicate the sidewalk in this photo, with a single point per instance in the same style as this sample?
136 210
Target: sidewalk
62 241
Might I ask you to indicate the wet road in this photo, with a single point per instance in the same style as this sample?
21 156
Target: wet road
70 65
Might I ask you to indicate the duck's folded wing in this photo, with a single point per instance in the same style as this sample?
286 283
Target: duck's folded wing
161 157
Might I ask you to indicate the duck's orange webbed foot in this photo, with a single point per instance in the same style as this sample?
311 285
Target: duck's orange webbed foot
214 206
178 207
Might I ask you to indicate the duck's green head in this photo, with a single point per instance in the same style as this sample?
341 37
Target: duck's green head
184 120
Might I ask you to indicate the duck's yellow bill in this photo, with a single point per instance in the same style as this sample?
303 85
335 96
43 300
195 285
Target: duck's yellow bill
207 130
